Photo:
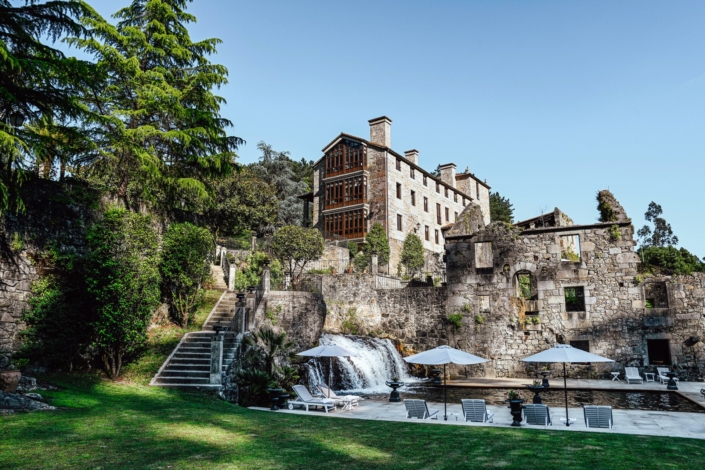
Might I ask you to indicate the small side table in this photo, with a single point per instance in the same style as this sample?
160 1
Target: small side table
615 376
650 376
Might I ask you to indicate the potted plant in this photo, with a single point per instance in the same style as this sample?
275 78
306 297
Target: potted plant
533 323
274 390
10 377
536 387
394 384
350 268
515 406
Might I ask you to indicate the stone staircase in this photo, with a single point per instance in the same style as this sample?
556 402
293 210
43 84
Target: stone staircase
218 276
189 364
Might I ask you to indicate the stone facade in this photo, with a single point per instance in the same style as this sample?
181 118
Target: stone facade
398 193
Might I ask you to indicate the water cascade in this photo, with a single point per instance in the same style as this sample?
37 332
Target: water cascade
377 361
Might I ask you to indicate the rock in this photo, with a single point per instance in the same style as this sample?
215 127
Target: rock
34 396
27 384
14 401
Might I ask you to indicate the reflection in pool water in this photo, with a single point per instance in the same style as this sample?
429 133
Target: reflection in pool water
646 400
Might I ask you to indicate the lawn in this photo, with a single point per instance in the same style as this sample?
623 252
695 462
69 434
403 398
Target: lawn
127 424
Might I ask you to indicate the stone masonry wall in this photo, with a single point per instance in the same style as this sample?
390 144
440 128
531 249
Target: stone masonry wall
300 314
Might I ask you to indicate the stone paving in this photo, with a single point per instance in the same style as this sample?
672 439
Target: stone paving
643 422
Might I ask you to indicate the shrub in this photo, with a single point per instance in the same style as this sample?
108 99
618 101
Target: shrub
456 321
250 272
412 254
185 267
295 246
122 277
615 233
671 259
376 242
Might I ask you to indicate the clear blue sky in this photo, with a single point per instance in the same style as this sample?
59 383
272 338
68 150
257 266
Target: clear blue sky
550 101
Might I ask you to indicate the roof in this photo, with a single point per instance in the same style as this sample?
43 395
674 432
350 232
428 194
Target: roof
464 176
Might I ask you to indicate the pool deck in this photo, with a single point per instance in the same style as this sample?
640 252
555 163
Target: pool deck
640 422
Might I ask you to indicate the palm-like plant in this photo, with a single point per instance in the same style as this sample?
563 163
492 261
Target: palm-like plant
274 346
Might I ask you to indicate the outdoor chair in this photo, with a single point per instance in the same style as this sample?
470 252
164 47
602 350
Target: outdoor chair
662 377
702 392
419 409
537 414
348 401
476 411
632 375
598 416
305 399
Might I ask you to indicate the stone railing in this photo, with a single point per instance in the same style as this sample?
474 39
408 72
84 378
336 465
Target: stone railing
228 271
389 282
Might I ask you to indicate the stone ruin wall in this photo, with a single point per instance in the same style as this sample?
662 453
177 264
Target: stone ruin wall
615 321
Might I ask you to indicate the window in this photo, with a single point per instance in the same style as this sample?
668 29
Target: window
574 299
425 204
427 233
399 222
464 203
446 192
483 255
398 190
349 224
655 295
413 198
447 215
346 192
345 157
438 187
455 197
425 180
456 217
398 164
659 352
570 248
484 301
524 285
438 214
412 172
437 241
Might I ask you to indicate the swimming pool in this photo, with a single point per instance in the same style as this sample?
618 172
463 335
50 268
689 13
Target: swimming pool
620 400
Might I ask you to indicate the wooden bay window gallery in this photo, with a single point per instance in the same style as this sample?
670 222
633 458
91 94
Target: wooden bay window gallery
346 192
350 224
345 157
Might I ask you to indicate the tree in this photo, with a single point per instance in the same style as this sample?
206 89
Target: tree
161 135
36 82
296 246
122 278
287 177
412 256
185 267
240 202
662 234
501 210
376 243
437 172
672 259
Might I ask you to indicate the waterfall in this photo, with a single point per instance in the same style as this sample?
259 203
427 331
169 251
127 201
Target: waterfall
377 361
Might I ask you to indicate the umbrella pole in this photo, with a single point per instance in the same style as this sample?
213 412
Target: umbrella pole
330 373
445 395
565 387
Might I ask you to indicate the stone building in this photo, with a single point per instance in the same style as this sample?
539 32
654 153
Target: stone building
359 182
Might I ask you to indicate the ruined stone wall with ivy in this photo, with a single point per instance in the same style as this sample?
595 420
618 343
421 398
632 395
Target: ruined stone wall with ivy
593 298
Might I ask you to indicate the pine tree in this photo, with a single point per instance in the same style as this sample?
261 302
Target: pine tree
36 82
501 210
161 132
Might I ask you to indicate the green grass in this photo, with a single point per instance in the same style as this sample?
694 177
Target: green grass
127 424
162 340
110 425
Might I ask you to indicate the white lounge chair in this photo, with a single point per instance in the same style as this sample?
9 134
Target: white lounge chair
347 401
662 377
476 411
305 399
419 409
537 414
598 416
631 374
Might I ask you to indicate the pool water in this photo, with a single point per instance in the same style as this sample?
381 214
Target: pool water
619 400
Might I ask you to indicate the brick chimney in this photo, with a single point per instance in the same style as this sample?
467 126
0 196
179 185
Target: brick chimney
448 174
381 131
412 156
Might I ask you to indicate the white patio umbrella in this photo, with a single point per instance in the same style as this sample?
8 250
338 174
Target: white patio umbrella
565 353
444 355
330 351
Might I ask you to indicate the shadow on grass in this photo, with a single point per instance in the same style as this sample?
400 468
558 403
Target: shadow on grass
129 426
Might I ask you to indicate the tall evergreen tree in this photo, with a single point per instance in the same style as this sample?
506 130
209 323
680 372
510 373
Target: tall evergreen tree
163 134
501 210
36 82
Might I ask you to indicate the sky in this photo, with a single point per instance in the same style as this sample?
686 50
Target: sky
549 101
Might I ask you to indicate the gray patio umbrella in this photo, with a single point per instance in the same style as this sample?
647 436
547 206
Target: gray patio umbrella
330 351
565 353
444 355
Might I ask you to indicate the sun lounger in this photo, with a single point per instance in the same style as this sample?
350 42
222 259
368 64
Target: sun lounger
662 375
476 411
347 401
419 409
598 416
537 414
632 375
305 399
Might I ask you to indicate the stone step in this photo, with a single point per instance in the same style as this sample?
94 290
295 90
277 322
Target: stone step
181 380
193 374
192 355
189 361
205 367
